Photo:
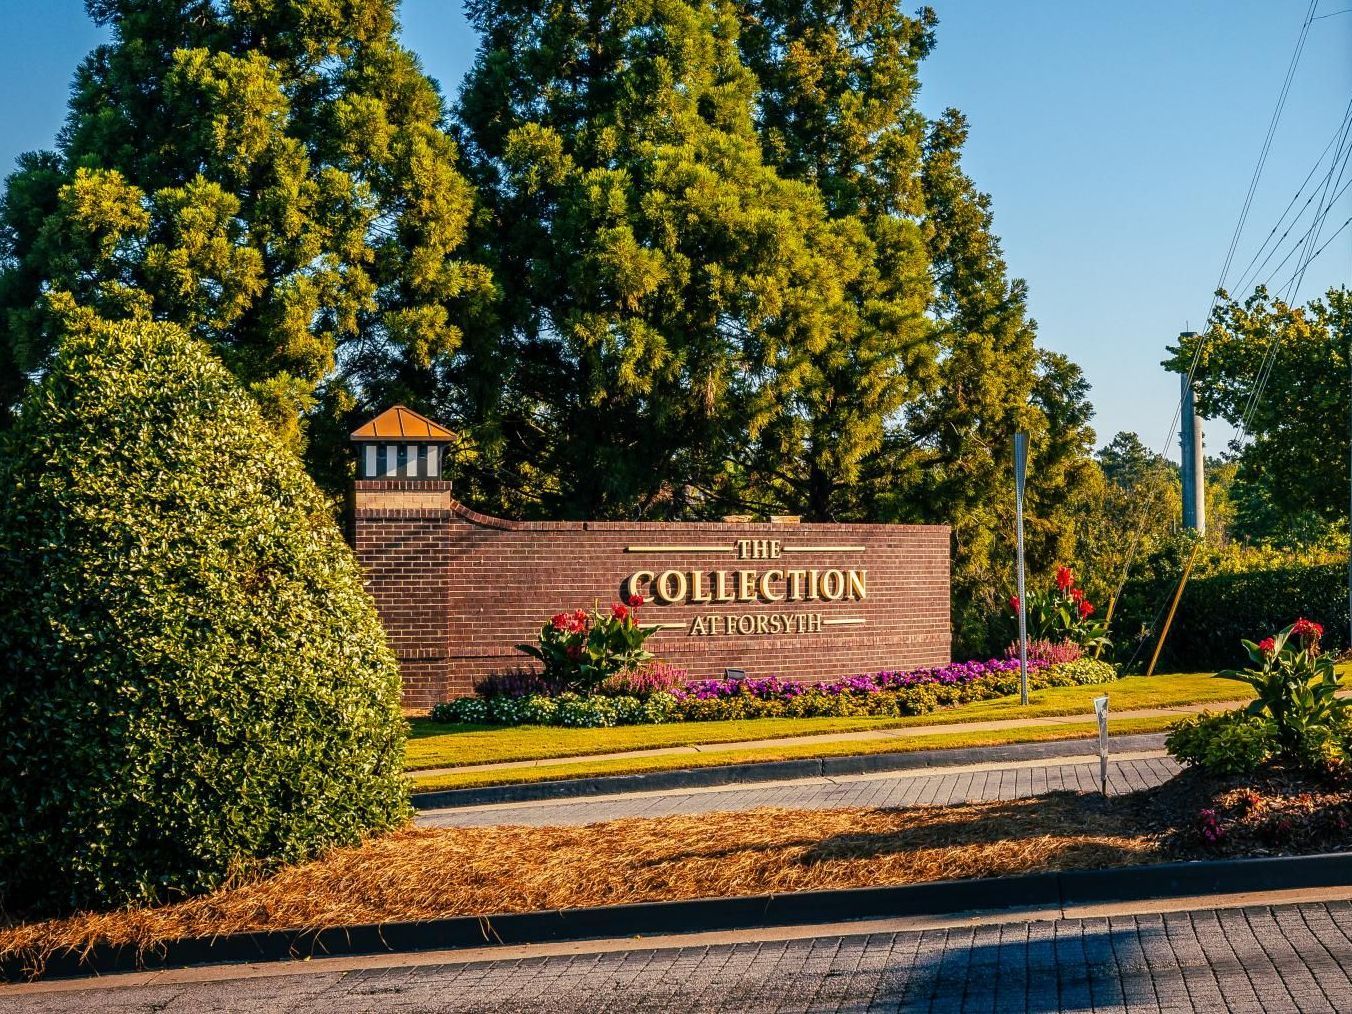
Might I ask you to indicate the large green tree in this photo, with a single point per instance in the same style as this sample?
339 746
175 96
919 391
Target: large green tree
1281 372
271 175
674 304
836 110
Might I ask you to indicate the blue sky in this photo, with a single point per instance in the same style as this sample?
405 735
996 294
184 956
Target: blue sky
1117 141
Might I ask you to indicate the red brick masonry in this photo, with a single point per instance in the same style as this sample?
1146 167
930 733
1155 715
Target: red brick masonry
458 590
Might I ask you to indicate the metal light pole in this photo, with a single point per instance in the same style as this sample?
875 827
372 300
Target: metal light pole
1020 475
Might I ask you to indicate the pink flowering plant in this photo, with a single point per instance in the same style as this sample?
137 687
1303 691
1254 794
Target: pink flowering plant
582 650
1297 689
1062 613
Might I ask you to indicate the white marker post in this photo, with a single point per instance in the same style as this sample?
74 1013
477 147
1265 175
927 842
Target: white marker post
1020 475
1101 712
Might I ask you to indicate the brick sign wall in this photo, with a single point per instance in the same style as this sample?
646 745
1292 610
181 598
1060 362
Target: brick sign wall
458 590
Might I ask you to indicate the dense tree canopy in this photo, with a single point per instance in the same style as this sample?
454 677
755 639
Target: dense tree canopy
1297 458
705 256
270 175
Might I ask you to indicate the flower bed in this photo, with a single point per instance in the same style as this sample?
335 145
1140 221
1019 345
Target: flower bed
886 694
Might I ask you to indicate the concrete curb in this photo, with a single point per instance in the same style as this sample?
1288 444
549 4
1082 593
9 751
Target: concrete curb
774 771
1034 890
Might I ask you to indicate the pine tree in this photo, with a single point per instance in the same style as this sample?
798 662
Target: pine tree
272 176
836 111
671 299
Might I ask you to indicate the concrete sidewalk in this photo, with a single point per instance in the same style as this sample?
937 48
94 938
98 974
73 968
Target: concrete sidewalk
864 736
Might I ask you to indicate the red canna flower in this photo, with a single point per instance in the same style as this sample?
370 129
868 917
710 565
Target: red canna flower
1268 646
1086 609
635 601
619 611
1308 628
1077 594
561 621
1014 603
1064 578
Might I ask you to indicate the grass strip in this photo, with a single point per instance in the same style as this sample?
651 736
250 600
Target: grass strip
471 778
433 745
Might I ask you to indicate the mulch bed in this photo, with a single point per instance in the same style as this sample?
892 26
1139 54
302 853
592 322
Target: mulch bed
420 874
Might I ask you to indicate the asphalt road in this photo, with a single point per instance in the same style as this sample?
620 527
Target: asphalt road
1017 780
1268 958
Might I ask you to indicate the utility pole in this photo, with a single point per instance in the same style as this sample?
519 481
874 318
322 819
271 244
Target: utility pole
1193 457
1020 479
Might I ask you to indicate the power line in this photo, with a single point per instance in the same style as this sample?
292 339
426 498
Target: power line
1249 269
1266 147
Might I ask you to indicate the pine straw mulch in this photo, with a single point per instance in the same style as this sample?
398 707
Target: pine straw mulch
419 874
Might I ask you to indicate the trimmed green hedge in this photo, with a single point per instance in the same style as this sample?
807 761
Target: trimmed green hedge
1217 610
193 682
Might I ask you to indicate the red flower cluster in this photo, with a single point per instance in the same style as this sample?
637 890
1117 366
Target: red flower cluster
628 608
1014 603
572 623
1065 580
1268 645
1086 608
1308 628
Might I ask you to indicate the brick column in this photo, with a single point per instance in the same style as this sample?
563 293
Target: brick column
398 531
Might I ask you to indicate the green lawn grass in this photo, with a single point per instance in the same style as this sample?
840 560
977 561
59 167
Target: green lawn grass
585 768
433 745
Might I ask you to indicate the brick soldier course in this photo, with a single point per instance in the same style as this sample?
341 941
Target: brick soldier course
457 590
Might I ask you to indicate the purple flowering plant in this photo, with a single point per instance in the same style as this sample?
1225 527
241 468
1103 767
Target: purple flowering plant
772 688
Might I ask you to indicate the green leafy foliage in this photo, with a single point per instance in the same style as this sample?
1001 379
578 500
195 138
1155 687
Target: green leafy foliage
1229 743
270 175
193 682
1219 610
582 650
1297 689
1062 612
1297 461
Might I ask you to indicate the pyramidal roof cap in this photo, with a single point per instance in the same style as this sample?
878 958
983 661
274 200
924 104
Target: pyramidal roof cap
400 423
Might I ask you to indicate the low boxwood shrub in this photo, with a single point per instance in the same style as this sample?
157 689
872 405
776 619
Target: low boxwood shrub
1080 673
1225 743
193 682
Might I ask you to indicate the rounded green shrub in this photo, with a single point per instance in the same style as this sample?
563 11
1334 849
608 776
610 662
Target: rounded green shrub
1224 743
194 684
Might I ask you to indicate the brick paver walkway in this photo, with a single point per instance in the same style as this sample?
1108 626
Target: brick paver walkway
1289 958
907 788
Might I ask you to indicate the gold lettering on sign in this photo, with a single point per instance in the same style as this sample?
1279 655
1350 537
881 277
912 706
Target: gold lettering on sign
634 582
746 624
697 587
671 586
752 586
763 586
759 549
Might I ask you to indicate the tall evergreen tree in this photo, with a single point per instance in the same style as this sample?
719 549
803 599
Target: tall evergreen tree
837 85
673 301
271 175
